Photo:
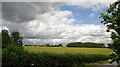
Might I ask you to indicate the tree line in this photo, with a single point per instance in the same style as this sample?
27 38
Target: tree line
47 45
86 44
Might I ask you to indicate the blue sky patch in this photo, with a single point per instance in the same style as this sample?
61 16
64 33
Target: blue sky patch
82 15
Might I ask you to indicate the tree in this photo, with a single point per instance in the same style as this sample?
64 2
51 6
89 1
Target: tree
5 38
112 21
59 45
48 45
0 40
86 44
16 38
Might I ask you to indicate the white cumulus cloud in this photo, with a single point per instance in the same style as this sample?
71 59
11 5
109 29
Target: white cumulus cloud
55 27
95 5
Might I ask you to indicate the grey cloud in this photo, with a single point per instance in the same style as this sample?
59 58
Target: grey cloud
42 37
45 30
97 35
25 11
0 9
18 12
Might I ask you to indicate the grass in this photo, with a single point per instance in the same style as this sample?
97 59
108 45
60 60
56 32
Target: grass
63 50
95 64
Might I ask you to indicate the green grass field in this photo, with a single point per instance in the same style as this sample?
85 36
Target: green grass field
63 50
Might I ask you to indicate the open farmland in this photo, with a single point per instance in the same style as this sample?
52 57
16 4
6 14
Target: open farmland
66 56
62 50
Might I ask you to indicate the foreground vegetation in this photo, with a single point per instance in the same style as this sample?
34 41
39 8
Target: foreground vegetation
111 19
15 56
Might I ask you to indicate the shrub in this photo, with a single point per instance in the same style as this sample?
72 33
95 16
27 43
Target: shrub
45 59
14 56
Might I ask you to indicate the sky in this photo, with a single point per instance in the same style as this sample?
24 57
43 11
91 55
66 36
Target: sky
56 22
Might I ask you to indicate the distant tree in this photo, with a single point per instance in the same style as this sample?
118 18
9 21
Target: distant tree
48 45
16 38
56 45
5 38
59 45
86 44
112 20
0 40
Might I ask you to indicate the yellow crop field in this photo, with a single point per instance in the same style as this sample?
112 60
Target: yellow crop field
63 50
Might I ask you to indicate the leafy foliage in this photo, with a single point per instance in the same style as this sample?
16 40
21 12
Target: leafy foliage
5 38
14 56
16 38
48 45
112 20
8 39
59 45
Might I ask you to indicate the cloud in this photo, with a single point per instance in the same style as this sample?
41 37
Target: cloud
55 27
19 12
59 0
80 21
0 15
92 15
44 24
95 5
40 23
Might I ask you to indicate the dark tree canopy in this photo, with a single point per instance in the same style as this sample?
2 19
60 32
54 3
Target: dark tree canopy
86 44
112 20
5 38
16 38
59 45
8 39
48 45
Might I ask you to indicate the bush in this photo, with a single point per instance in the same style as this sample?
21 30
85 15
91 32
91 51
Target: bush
45 59
14 56
118 65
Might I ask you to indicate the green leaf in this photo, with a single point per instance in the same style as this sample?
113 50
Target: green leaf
110 61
